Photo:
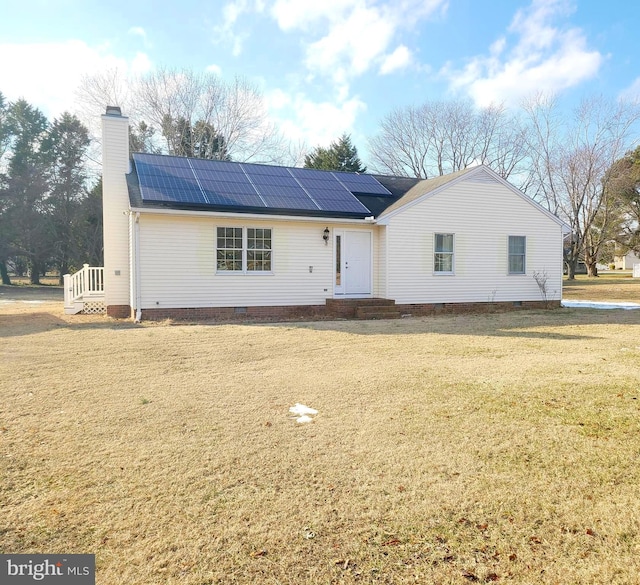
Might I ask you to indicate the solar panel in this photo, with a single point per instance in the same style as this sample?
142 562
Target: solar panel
365 184
266 170
330 200
226 184
202 164
167 179
237 196
278 188
328 192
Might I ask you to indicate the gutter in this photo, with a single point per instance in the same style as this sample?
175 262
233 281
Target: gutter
254 216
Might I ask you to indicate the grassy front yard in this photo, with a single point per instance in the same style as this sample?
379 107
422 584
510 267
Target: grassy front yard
494 448
611 286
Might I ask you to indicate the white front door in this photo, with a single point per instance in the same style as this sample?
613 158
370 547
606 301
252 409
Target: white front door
353 263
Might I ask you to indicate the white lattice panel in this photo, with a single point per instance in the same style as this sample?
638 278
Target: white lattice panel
94 307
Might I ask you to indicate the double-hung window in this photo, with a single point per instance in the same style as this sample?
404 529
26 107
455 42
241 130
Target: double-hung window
443 254
517 254
243 250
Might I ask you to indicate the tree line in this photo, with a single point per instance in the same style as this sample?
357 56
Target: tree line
583 167
50 214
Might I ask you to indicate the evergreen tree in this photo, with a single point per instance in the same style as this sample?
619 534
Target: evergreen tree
341 155
89 222
141 138
5 136
625 188
65 147
25 207
200 140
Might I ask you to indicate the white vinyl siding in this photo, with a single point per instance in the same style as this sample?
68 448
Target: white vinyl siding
481 215
179 265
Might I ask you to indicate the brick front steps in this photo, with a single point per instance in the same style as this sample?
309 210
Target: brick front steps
363 308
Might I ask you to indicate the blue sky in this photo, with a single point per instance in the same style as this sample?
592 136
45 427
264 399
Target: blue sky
330 66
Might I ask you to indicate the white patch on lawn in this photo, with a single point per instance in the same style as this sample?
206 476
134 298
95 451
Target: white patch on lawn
7 301
599 305
302 413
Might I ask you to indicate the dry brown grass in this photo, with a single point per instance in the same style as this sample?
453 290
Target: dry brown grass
608 287
494 448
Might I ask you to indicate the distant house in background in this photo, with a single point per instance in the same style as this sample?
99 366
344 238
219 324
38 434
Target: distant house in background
626 262
192 238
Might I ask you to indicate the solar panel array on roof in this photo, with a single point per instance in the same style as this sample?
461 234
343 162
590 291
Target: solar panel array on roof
168 179
327 191
279 188
222 184
361 184
225 184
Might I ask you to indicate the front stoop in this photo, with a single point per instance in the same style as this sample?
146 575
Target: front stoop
378 312
363 308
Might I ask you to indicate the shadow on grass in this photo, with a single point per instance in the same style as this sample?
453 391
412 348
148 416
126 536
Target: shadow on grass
19 324
533 324
33 292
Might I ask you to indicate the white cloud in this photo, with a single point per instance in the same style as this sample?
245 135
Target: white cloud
300 14
48 74
632 93
138 31
545 58
399 59
351 45
315 123
213 68
140 64
277 99
346 38
231 12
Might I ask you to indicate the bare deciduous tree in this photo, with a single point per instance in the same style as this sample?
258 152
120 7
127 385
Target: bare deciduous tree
570 159
437 138
169 100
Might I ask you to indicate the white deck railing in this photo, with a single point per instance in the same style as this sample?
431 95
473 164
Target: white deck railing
87 282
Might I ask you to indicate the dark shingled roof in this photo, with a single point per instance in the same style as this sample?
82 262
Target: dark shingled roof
374 203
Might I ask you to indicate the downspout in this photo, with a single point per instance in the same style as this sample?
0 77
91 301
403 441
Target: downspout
386 261
136 266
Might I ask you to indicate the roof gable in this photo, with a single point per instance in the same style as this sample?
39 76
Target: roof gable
429 187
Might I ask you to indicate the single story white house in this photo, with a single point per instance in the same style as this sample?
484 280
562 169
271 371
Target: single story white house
191 238
626 262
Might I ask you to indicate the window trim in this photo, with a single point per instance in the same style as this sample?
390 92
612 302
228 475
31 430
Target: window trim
452 254
218 249
523 255
245 249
